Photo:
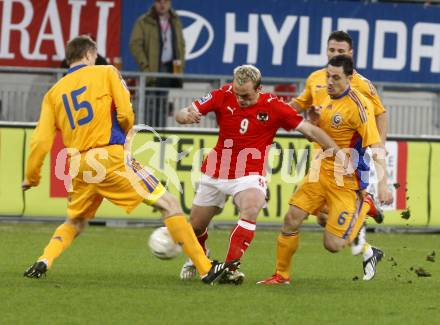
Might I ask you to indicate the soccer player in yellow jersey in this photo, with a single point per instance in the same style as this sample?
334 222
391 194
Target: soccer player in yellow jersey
92 109
347 117
315 91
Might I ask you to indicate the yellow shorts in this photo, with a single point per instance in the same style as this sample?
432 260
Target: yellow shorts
124 183
343 204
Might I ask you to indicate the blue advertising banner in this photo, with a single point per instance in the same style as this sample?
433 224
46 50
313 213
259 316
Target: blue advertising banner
392 42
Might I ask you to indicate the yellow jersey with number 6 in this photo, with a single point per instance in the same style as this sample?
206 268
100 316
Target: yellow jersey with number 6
349 121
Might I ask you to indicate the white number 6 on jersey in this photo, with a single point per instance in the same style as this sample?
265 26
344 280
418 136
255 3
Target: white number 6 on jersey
244 125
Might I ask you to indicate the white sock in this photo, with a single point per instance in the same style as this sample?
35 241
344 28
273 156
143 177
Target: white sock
368 252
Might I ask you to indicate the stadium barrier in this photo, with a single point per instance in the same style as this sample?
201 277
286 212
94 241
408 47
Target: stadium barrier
411 165
413 109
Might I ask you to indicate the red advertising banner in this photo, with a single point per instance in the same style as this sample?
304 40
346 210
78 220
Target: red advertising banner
34 32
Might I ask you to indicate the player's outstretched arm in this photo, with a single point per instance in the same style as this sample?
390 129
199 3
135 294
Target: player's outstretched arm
382 126
379 154
316 134
296 106
188 115
41 142
121 97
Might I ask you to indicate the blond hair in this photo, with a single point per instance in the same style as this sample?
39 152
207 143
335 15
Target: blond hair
247 72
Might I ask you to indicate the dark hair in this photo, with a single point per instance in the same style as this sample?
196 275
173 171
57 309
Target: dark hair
78 47
341 36
343 61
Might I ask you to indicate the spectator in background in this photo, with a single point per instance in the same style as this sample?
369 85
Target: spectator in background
157 45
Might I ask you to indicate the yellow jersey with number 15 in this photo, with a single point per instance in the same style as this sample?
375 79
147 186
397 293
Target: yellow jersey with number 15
90 106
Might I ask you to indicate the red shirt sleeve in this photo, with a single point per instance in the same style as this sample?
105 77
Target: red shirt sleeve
210 102
288 117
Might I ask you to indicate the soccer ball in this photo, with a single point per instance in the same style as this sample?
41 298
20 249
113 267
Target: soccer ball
162 245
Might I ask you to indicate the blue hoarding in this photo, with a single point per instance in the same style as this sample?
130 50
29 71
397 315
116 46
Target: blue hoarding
392 42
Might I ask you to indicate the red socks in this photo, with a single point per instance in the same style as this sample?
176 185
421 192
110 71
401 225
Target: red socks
240 239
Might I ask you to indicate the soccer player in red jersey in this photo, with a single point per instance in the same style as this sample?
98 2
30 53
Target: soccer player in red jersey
248 121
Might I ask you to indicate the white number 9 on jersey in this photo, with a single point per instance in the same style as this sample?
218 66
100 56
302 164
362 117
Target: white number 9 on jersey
244 125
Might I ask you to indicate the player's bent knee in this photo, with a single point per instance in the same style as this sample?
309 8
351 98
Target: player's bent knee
331 247
201 216
168 204
199 224
333 244
78 223
293 219
250 212
322 219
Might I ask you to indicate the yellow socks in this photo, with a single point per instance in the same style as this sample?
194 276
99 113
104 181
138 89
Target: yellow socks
359 222
182 233
286 247
61 240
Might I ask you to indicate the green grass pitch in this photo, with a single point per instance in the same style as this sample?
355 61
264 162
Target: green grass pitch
108 276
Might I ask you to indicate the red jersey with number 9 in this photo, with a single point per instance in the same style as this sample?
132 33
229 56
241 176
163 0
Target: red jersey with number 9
245 133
